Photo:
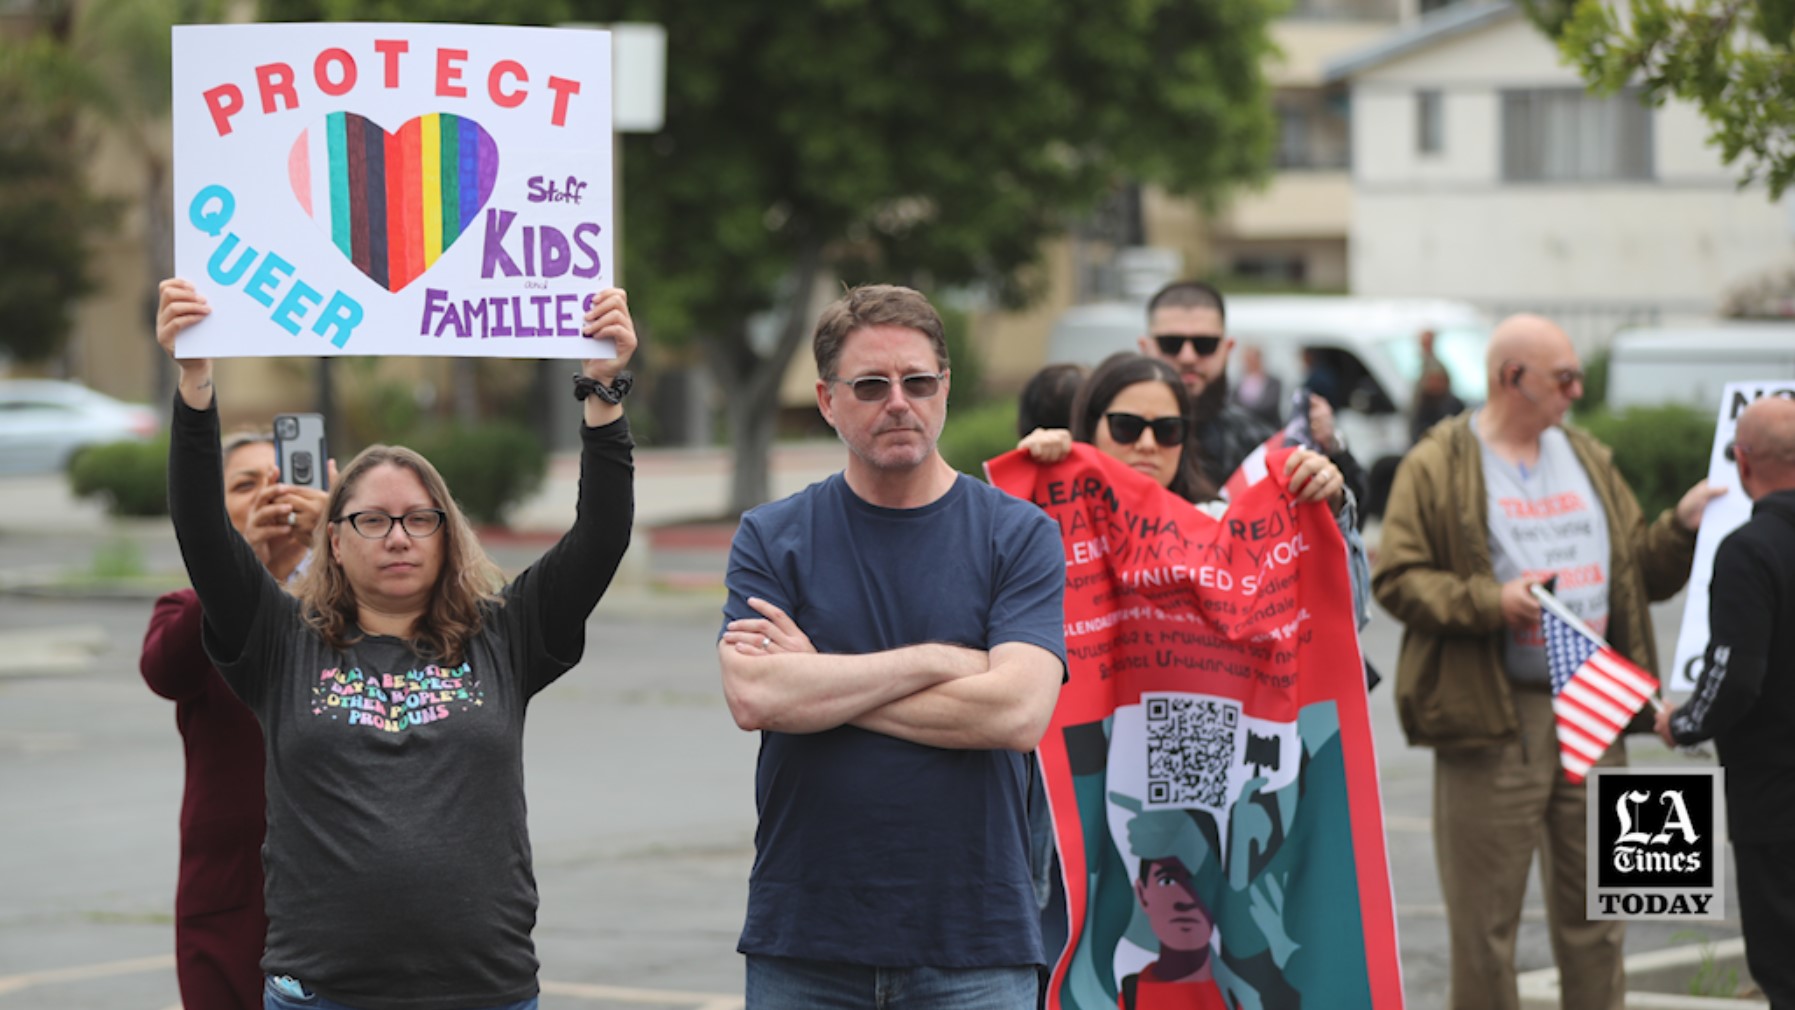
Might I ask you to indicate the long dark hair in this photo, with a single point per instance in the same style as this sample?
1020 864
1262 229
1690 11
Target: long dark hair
1118 372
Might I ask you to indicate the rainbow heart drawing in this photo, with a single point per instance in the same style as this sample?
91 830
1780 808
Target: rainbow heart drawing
393 203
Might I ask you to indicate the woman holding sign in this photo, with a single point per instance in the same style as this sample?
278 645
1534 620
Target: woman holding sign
391 688
1136 409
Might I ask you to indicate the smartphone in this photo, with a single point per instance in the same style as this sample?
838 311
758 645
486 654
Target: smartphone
1297 428
299 450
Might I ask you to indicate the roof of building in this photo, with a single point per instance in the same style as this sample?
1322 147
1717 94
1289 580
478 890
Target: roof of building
1436 27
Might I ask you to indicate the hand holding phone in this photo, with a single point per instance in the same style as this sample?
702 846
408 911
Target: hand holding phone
299 450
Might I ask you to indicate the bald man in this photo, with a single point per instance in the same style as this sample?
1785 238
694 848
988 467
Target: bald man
1486 506
1745 699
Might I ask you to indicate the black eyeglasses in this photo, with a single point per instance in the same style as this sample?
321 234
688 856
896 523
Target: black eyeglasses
418 523
1126 428
1170 344
873 388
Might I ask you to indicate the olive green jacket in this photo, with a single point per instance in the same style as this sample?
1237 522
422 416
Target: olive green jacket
1433 574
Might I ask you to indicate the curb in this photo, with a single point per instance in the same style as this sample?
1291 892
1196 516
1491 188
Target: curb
1539 988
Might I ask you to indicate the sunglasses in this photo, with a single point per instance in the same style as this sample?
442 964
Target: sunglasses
1170 344
1734 450
1126 429
873 388
1565 378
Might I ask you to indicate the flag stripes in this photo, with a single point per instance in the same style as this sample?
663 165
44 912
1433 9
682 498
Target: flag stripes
1596 691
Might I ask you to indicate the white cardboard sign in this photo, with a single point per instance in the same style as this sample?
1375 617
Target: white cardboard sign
392 189
1723 515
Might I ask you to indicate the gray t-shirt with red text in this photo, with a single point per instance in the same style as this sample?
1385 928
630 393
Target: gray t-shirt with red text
1545 520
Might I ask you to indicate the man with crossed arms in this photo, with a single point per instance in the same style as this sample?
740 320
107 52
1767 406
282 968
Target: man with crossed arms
895 633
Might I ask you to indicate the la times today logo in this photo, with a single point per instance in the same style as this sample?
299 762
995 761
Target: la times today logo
1657 839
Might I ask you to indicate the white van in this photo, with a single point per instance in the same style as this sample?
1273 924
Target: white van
1372 344
1691 364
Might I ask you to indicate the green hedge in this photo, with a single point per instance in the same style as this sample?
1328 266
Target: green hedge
1661 451
130 477
489 467
976 434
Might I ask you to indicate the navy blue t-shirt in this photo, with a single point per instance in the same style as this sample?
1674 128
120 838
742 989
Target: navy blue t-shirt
874 850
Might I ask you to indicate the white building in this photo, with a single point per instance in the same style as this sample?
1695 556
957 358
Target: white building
1482 170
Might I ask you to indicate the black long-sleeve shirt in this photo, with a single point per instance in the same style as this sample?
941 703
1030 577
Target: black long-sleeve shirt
1745 699
398 856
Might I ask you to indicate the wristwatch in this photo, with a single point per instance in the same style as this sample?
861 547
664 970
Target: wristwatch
584 386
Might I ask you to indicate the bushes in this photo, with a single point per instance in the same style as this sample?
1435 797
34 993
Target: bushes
131 477
1660 450
975 434
489 467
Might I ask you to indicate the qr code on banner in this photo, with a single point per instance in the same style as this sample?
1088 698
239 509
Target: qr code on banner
1190 747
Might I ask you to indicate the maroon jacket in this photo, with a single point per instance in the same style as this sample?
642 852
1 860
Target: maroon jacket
219 924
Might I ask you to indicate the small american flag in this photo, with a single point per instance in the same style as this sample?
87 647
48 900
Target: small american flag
1595 690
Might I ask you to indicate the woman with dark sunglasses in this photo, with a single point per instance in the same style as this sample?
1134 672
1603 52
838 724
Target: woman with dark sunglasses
1136 409
391 687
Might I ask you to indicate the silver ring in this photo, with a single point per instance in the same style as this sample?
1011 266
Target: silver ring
765 642
292 519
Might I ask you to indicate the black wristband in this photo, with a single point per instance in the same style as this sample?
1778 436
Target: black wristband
584 386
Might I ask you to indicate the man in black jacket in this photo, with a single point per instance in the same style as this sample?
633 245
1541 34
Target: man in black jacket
1745 699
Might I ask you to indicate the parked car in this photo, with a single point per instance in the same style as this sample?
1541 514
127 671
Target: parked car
1371 345
44 422
1692 364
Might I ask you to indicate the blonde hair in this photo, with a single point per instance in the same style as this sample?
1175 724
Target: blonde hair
467 585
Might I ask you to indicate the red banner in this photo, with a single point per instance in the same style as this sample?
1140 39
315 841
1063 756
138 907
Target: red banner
1210 765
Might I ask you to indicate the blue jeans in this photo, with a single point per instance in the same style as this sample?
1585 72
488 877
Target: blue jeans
275 999
783 983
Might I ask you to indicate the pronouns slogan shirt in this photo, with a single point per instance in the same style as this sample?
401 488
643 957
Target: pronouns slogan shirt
393 703
396 813
1547 523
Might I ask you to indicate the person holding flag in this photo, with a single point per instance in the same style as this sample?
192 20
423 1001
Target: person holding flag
1487 506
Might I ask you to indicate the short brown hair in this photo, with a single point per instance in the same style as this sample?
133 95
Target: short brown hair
875 305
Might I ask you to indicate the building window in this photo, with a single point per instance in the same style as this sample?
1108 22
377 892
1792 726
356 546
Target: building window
1566 134
1430 122
1273 268
1314 130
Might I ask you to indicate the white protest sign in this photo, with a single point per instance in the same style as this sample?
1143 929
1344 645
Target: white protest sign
1723 515
439 190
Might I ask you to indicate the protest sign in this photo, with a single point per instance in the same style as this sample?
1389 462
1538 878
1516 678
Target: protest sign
439 190
1722 516
1210 765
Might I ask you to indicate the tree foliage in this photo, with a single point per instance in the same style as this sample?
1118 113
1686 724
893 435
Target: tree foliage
932 142
1730 58
80 70
48 213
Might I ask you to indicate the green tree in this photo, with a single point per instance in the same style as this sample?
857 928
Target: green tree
48 214
933 142
1730 58
109 61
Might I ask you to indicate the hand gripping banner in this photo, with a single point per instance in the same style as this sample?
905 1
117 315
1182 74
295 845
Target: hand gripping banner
1210 766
